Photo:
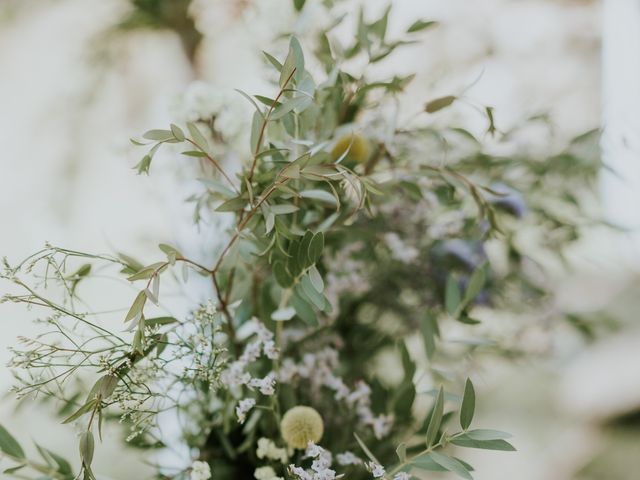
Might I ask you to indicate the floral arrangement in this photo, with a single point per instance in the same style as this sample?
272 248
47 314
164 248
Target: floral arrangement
367 255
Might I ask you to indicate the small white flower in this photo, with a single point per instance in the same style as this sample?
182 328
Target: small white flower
348 458
300 472
376 470
268 449
402 476
200 471
266 473
243 408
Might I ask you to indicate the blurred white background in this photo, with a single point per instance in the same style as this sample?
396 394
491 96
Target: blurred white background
71 96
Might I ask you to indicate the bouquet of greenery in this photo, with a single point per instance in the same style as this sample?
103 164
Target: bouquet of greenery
366 257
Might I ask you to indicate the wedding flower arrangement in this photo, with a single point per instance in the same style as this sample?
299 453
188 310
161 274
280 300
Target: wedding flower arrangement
371 258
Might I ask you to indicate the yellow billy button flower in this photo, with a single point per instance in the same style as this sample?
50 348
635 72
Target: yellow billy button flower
301 425
359 152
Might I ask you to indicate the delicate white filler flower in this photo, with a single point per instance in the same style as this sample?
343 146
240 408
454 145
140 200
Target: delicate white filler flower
200 471
243 408
376 470
266 473
402 476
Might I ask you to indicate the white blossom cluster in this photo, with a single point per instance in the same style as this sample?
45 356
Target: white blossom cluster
266 473
267 449
318 369
200 471
320 467
236 374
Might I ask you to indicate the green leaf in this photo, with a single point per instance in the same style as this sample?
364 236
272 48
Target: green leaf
232 205
10 445
299 4
315 247
451 464
282 276
87 407
468 405
87 445
419 25
316 279
498 444
12 470
311 293
476 282
283 209
293 62
485 434
158 321
256 128
297 103
439 103
177 132
143 165
273 61
197 136
303 310
158 135
429 329
194 153
401 451
436 418
452 295
136 307
108 385
320 195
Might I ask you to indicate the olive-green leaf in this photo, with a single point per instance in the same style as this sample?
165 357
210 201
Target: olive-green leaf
468 405
452 296
232 205
436 418
315 247
419 25
87 407
10 445
137 306
87 446
497 444
476 282
439 103
197 136
451 464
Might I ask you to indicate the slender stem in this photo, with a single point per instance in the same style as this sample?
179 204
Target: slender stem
264 124
214 163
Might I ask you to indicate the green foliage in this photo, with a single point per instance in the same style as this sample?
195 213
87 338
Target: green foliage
330 265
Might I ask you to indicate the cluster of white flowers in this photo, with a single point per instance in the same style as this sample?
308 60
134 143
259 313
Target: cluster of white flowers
200 471
402 476
266 473
267 449
400 250
235 376
318 368
243 407
376 469
348 458
320 467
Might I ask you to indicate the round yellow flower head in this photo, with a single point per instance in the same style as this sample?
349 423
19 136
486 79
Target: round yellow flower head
359 152
301 425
